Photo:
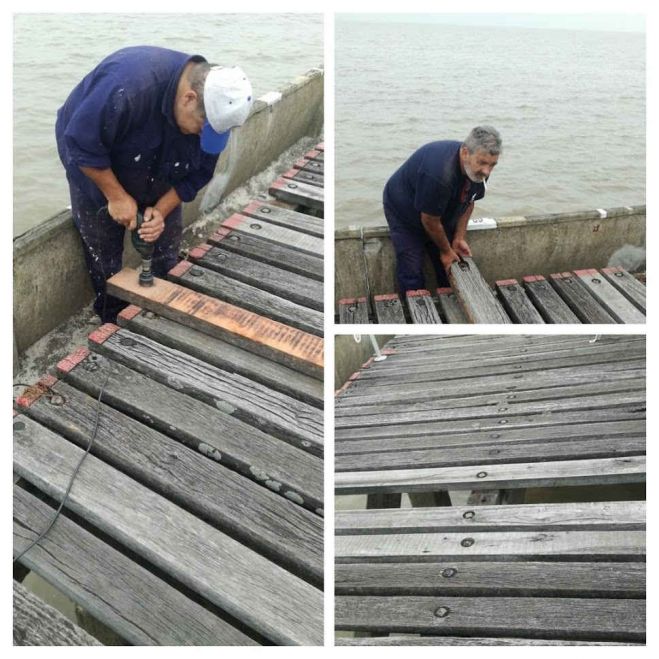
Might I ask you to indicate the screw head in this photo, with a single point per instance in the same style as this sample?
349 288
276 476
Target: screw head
618 274
502 409
595 280
467 542
196 272
503 421
234 237
255 225
265 209
469 514
442 612
149 314
449 572
57 400
293 186
481 474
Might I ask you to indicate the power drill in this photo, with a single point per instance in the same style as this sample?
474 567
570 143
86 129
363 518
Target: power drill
145 250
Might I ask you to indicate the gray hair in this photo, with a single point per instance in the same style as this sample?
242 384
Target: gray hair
197 78
484 138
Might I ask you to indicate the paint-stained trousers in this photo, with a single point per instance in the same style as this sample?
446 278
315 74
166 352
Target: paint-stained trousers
103 242
411 245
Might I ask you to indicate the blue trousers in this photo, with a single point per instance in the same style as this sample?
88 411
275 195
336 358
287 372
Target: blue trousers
103 243
411 244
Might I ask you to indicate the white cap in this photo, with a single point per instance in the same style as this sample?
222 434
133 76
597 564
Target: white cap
227 97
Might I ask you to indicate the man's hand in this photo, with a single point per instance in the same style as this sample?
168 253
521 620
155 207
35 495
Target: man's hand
153 225
447 258
461 247
123 209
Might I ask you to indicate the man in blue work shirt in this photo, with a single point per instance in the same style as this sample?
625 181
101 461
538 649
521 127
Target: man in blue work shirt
429 200
143 132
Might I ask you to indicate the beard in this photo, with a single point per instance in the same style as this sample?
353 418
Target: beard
472 176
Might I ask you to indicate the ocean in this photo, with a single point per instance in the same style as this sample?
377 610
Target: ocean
52 52
570 106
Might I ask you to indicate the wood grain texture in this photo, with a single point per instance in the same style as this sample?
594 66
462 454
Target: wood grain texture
297 193
474 295
548 302
305 176
275 340
249 587
284 217
422 308
580 301
517 304
388 309
426 641
449 307
615 303
566 618
628 285
111 586
353 311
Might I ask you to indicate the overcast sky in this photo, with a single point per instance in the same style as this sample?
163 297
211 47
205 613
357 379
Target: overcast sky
594 21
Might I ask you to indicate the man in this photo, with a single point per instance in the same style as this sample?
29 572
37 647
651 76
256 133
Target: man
429 200
143 132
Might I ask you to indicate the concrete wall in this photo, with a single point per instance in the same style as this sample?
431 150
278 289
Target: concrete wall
504 248
350 355
50 278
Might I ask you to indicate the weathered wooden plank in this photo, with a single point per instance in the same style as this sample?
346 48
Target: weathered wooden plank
414 640
281 256
485 579
112 587
516 302
284 217
279 235
628 285
253 514
298 193
316 154
232 443
550 305
251 588
533 474
493 453
587 516
474 295
422 308
276 414
265 336
388 309
449 307
353 310
251 298
580 301
223 355
564 618
305 176
288 285
615 303
38 623
310 165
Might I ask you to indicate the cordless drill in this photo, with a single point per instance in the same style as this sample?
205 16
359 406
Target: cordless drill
145 250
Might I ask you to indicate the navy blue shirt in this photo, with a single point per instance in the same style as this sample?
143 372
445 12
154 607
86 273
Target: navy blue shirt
430 181
121 116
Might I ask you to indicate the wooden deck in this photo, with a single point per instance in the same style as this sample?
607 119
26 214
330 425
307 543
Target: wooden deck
609 295
498 417
197 518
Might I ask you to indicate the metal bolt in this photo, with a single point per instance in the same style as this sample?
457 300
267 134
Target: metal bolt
293 186
150 315
467 542
503 421
449 572
265 209
595 280
481 474
56 400
618 274
442 612
255 225
469 514
502 409
234 237
19 425
196 272
511 396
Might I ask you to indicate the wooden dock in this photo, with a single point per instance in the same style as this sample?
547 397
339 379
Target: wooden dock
508 420
197 518
609 295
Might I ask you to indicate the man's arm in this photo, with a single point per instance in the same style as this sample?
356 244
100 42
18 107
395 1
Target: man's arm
460 245
433 226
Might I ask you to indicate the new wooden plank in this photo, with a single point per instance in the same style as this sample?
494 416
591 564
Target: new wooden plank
38 623
564 618
251 298
310 165
274 413
284 344
492 453
422 307
474 295
353 310
281 256
615 303
503 579
388 309
273 233
232 443
305 176
548 302
261 594
587 516
255 515
449 307
297 193
601 471
516 302
500 436
222 354
288 285
628 285
286 218
112 587
582 303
